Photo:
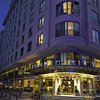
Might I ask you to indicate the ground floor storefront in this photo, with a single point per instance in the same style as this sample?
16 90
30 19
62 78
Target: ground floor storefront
58 83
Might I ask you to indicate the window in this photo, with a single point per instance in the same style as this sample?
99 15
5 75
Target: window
17 45
40 39
41 22
30 32
22 51
95 36
16 55
31 18
94 17
18 33
11 58
23 27
94 2
22 39
42 6
60 29
67 8
29 46
32 5
67 28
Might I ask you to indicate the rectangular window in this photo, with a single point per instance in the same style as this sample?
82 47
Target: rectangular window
23 27
59 29
69 7
40 39
95 36
22 51
65 7
94 2
70 28
42 6
22 39
29 46
30 32
16 44
94 16
67 28
16 55
41 22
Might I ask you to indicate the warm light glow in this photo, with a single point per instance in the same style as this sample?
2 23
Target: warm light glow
69 7
65 7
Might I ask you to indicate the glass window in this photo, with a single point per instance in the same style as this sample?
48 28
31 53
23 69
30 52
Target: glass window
22 51
94 2
29 46
70 28
67 28
40 39
41 22
42 6
95 36
94 17
67 8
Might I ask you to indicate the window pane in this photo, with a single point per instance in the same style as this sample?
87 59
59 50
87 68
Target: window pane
69 7
70 28
65 7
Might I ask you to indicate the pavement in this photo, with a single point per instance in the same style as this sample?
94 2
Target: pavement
13 98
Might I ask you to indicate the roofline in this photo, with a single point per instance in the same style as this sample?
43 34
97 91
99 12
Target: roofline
9 11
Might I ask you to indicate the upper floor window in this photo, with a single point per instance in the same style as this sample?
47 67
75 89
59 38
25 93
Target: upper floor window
29 46
95 36
40 39
67 8
67 28
22 51
23 27
94 17
94 2
42 6
30 32
22 41
41 22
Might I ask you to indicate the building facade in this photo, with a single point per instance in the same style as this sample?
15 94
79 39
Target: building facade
52 44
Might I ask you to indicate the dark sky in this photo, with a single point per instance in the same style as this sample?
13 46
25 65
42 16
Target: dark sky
4 6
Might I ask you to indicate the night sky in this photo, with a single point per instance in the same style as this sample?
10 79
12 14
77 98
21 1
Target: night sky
4 6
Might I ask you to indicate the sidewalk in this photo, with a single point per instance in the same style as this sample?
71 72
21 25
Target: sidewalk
13 98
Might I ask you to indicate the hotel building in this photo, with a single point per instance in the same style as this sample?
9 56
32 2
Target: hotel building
51 44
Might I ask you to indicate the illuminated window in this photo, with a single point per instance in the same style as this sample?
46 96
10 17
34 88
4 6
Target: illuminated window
70 28
67 8
40 39
67 28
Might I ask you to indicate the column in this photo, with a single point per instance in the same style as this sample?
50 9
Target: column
94 86
53 85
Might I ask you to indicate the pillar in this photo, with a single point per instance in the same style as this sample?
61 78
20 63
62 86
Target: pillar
94 86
